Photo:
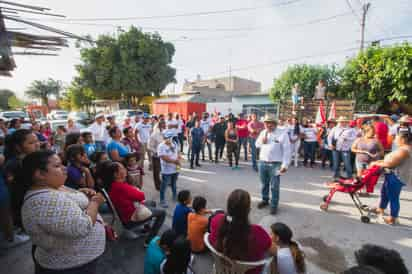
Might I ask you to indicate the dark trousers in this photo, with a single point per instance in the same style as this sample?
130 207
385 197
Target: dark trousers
180 136
243 141
195 153
89 268
209 150
156 172
326 155
219 147
232 149
309 149
157 219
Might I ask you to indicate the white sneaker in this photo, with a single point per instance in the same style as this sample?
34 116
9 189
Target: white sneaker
18 240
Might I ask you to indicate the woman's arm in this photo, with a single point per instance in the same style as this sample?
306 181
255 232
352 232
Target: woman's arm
114 154
393 159
354 147
227 135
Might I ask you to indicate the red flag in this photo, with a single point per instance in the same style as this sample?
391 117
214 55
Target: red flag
320 115
332 111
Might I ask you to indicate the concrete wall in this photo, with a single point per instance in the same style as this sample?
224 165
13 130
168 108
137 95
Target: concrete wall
226 84
223 108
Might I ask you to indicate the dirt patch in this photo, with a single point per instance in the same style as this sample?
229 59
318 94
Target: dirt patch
329 258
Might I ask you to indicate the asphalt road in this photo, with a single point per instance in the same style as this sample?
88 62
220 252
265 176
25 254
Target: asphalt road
328 238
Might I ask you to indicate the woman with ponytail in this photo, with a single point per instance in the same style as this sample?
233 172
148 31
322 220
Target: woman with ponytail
234 236
289 258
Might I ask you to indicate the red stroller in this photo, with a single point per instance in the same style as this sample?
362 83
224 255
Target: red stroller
368 179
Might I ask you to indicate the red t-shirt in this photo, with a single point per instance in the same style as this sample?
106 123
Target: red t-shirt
259 241
381 132
257 127
123 196
242 130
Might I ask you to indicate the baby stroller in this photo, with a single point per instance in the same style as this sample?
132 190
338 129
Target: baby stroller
368 179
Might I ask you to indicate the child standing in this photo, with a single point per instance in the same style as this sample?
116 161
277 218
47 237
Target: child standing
134 171
157 250
78 174
289 258
197 223
181 211
89 145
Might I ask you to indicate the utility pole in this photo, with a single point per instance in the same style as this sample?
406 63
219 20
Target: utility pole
365 9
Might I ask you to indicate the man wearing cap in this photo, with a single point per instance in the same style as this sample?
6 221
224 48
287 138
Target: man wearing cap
168 153
274 159
99 132
143 129
340 140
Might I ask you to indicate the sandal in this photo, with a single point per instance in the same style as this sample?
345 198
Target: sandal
377 211
391 221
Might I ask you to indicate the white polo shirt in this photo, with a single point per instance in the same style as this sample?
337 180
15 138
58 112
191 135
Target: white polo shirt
277 148
171 152
144 131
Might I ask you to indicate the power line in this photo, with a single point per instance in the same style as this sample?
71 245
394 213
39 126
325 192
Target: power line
199 13
310 22
294 59
353 11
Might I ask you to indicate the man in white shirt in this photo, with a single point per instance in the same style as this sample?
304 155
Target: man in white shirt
143 130
99 132
155 139
274 160
340 140
170 164
310 142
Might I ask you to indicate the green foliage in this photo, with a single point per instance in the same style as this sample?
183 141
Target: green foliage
77 97
132 64
5 94
380 75
307 76
43 89
15 103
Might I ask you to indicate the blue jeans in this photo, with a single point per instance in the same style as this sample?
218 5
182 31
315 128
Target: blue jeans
168 179
338 157
390 192
309 149
268 173
242 142
252 142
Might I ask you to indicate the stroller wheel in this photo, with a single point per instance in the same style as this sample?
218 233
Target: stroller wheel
324 206
324 198
365 219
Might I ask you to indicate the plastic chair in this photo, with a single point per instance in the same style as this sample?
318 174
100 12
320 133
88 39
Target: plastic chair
128 232
225 265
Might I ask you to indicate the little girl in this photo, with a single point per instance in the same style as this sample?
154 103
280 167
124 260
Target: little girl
179 260
134 171
289 258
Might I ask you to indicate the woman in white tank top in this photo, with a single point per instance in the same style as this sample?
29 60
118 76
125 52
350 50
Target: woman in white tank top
400 161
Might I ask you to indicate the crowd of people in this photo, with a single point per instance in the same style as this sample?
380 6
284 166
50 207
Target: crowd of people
51 184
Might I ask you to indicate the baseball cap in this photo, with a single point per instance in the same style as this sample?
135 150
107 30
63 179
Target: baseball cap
167 134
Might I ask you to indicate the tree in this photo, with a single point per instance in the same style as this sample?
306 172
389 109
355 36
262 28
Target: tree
15 103
77 97
132 64
5 94
380 76
307 76
43 89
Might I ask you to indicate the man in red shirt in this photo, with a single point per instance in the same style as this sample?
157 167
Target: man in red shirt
381 132
254 128
243 133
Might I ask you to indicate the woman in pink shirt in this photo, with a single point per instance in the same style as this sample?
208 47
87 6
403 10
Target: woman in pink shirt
234 236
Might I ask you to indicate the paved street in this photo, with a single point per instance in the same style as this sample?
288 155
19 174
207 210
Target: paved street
329 238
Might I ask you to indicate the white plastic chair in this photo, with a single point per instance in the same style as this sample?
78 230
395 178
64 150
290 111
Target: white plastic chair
225 265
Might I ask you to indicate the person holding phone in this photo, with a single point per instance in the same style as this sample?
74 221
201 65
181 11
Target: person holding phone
274 160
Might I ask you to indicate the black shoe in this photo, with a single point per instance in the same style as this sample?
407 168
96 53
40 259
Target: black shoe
262 204
191 167
273 211
216 161
198 165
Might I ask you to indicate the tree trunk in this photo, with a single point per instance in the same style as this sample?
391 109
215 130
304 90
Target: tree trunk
45 101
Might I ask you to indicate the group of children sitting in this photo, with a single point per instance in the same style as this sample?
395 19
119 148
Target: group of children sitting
173 251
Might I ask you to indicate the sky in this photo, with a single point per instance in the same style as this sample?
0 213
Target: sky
257 40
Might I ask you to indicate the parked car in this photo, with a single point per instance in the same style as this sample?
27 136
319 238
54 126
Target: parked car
9 115
58 115
80 117
122 114
55 123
